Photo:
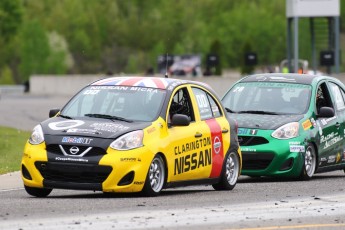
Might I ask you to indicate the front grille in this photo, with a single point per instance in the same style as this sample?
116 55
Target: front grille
95 151
256 161
251 140
77 173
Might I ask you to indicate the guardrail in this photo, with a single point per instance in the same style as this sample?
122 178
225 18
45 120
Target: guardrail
11 89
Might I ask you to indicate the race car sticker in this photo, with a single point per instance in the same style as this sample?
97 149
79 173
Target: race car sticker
192 155
331 159
331 139
76 140
297 148
306 124
243 131
109 127
217 151
63 125
246 149
338 158
83 131
313 122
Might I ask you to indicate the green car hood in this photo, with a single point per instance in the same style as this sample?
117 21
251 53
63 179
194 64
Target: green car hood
268 122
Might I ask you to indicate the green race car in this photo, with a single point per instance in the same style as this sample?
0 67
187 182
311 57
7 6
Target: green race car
290 125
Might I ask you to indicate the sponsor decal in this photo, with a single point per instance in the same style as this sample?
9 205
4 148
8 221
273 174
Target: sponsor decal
138 182
338 157
193 161
194 145
323 159
83 131
217 145
297 148
294 143
76 140
242 131
194 155
330 139
306 124
64 125
109 127
151 130
331 159
320 129
71 159
128 159
313 122
246 149
217 158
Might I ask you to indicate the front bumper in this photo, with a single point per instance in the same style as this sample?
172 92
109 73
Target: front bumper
115 171
274 158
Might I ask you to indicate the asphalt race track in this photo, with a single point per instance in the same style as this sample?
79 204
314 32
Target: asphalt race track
255 203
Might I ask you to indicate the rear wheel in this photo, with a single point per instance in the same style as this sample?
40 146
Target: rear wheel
37 192
230 172
309 165
155 177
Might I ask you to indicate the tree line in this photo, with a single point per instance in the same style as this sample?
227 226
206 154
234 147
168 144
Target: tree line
118 36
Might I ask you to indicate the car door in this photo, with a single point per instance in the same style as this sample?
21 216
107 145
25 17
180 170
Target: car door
331 135
189 146
215 125
338 97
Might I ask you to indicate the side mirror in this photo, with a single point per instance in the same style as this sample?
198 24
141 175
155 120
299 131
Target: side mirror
326 112
53 112
180 120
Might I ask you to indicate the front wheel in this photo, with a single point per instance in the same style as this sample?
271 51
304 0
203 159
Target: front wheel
155 177
37 192
309 164
230 172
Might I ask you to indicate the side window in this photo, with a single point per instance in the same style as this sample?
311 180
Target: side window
338 97
323 97
208 108
181 104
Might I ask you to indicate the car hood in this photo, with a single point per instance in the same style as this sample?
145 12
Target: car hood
259 121
92 127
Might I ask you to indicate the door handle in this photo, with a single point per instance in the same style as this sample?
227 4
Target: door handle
225 130
198 134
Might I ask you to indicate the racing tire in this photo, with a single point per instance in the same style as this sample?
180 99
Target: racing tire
309 164
155 178
38 192
230 172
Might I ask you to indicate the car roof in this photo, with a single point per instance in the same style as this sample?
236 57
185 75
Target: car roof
145 81
283 77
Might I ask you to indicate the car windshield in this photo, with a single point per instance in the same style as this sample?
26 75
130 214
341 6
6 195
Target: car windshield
273 98
116 103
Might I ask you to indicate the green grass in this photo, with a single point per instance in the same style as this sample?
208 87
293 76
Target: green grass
12 143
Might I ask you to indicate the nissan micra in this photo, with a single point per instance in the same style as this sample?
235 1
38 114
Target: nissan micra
134 134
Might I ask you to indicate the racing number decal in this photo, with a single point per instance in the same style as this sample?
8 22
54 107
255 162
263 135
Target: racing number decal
217 148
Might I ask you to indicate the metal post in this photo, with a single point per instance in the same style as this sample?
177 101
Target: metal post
336 44
313 50
288 45
295 44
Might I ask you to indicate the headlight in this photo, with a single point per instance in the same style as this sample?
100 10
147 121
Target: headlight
128 141
287 131
37 135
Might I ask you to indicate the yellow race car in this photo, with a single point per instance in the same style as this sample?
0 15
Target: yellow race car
134 134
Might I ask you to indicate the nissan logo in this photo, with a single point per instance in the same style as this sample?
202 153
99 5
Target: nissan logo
74 150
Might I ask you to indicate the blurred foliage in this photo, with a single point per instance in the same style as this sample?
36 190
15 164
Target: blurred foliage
93 36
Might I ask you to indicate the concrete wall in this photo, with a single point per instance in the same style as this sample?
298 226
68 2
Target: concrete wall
70 84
